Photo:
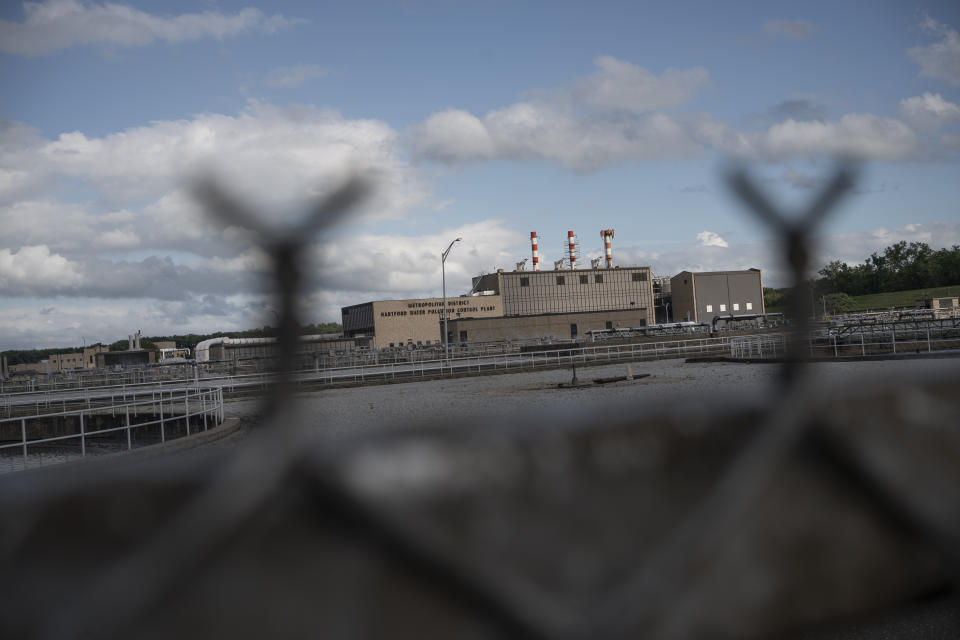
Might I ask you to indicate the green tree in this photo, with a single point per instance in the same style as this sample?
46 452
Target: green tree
836 303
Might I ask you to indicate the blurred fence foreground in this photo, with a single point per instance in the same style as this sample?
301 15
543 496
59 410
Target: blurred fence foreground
815 512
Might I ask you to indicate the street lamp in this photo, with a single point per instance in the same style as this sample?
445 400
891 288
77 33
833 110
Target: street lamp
443 271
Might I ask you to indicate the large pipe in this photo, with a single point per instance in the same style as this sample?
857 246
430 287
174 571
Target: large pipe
607 235
536 253
573 250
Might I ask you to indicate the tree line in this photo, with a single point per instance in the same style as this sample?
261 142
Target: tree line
25 356
900 267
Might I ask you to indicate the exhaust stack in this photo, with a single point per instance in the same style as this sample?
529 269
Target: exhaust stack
534 247
607 235
573 250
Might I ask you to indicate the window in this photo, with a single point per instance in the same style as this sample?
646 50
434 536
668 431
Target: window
524 282
560 280
749 306
723 307
584 279
598 279
709 308
736 306
642 277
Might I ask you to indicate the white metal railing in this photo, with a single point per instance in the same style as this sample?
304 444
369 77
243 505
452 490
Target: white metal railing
880 344
762 346
562 355
164 408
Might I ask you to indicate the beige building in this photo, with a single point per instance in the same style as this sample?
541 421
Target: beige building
557 304
559 326
418 321
66 361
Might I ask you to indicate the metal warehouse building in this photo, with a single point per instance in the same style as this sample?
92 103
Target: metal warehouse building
699 297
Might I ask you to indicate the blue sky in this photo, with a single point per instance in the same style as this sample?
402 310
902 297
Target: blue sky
485 120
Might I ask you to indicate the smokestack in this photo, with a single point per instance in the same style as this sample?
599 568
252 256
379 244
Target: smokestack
607 235
129 342
573 252
536 254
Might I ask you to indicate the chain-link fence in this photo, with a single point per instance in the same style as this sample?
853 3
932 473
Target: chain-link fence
826 510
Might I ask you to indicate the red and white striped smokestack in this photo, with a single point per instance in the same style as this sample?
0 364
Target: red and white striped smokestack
573 252
536 253
607 235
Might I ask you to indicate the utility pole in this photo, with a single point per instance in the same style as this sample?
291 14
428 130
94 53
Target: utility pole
443 271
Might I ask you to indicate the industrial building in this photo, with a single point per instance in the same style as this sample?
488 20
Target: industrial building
700 297
224 348
561 303
397 323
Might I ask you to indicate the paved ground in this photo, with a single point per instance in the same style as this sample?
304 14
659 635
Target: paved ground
534 395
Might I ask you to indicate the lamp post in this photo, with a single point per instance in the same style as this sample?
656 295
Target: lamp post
443 271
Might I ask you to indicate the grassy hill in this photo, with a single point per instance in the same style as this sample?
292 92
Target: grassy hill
910 298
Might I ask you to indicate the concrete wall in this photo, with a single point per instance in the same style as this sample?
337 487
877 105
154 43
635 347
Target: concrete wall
554 326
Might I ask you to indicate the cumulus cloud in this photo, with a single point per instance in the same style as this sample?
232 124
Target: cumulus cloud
929 111
620 85
791 29
54 25
858 135
265 153
710 239
144 237
940 59
292 77
34 269
616 116
798 110
404 266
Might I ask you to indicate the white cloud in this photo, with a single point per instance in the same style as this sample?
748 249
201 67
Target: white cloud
117 239
292 77
792 29
267 154
940 59
857 135
35 268
601 120
54 25
929 111
710 239
403 266
611 118
620 85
